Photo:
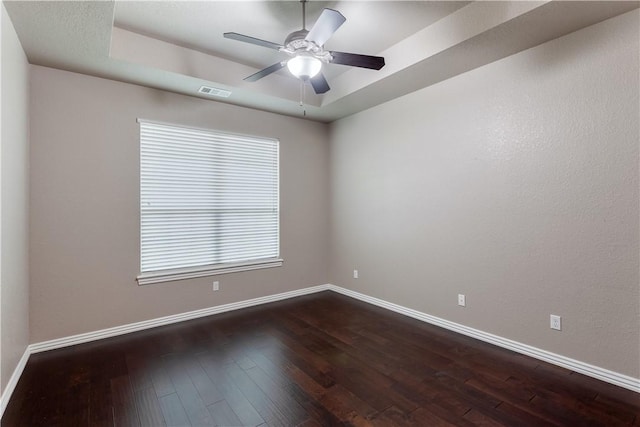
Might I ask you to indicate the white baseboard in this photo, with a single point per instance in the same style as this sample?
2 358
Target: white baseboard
13 381
602 374
555 359
167 320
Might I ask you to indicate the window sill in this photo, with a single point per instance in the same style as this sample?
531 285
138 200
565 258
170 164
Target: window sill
191 273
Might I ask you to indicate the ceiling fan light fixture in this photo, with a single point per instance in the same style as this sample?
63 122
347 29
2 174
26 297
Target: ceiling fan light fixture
304 67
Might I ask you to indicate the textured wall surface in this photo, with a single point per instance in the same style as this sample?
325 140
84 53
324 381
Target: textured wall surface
85 213
14 203
515 184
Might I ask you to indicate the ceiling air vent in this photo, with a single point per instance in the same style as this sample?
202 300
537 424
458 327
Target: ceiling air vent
214 91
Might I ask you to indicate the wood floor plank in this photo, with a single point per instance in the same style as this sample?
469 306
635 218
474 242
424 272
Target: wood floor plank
100 404
316 360
223 415
172 411
160 378
479 419
246 412
286 397
279 376
207 390
138 372
622 408
564 414
149 409
267 406
192 403
347 405
595 410
306 360
526 415
125 412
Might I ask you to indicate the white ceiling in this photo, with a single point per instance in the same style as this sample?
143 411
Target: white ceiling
178 45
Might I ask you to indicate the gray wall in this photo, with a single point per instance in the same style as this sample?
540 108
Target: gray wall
14 208
85 213
515 184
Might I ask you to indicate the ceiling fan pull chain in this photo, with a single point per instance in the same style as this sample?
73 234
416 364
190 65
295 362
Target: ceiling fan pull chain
302 93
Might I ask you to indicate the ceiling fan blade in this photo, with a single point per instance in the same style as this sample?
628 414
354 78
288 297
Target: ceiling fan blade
327 24
356 60
265 72
252 40
319 84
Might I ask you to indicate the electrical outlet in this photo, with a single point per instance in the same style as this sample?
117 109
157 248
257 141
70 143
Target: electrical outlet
556 322
216 286
462 300
355 274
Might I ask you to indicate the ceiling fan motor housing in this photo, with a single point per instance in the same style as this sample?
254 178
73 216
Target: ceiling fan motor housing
296 42
296 39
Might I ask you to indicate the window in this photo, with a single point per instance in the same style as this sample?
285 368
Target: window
208 202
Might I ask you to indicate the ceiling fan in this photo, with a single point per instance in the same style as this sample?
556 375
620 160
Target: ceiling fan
306 48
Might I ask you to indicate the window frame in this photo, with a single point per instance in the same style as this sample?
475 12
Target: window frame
173 274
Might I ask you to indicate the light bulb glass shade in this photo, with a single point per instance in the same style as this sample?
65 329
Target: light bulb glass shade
304 67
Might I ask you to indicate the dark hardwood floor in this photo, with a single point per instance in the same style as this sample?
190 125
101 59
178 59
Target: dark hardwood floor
318 360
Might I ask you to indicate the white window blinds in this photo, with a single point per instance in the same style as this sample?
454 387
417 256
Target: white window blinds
207 199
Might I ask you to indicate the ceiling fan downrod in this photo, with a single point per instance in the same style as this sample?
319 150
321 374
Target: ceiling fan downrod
304 15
